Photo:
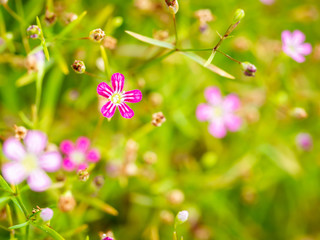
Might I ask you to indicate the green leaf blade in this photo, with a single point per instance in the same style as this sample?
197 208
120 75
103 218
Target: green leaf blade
151 41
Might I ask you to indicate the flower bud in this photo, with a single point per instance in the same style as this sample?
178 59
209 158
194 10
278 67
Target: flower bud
173 6
46 214
299 113
182 217
249 69
97 35
33 31
78 66
110 42
83 175
66 202
20 132
304 141
50 17
175 197
67 18
238 15
158 119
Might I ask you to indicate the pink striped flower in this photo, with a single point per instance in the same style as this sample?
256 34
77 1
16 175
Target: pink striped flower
79 155
117 97
293 45
30 161
219 112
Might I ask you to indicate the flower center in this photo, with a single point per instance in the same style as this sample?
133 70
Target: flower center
30 162
217 111
116 98
77 157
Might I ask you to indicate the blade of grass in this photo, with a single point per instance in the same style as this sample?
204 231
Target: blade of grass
151 41
71 26
43 40
49 231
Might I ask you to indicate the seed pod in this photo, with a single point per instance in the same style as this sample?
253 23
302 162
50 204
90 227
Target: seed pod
78 66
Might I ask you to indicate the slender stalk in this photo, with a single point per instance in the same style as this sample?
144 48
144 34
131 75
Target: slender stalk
93 75
194 50
228 56
175 28
10 221
106 62
25 211
22 27
12 13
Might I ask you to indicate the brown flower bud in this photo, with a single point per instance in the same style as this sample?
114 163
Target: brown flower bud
83 175
50 17
66 202
97 35
158 119
20 132
78 66
110 42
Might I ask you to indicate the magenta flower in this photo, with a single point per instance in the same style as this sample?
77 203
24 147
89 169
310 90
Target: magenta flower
219 112
30 161
293 45
117 97
304 141
79 155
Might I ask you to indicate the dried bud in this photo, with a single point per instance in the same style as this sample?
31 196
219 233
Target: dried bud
299 113
173 6
158 119
20 132
97 35
50 17
46 214
182 217
78 66
161 35
175 197
69 17
249 69
83 175
98 181
110 42
166 217
304 141
66 202
238 15
33 31
150 157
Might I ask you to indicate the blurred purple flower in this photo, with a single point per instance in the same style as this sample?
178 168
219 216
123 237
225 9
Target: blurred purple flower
79 155
30 161
293 45
46 214
267 2
117 97
304 141
219 112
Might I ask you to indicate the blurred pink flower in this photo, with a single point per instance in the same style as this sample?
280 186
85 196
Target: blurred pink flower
117 97
304 141
267 2
293 45
30 161
46 214
219 112
77 156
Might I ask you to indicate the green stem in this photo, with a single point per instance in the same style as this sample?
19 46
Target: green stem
22 26
12 13
93 75
106 62
194 50
25 211
175 29
10 221
228 56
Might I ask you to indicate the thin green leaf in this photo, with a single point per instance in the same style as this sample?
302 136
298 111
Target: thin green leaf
5 185
71 25
49 231
21 225
151 41
211 67
208 62
105 61
5 199
43 40
26 79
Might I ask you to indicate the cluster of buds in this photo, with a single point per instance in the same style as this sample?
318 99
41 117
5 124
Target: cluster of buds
78 66
249 69
83 175
33 31
20 132
97 35
204 16
158 119
110 42
66 202
173 6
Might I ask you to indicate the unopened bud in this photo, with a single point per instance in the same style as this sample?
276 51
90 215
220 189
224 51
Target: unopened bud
97 35
83 175
238 15
50 17
69 17
110 42
158 119
20 132
33 31
78 66
249 69
182 217
299 113
46 214
66 202
173 6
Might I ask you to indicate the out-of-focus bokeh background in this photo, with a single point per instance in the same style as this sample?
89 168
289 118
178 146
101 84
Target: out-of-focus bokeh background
253 184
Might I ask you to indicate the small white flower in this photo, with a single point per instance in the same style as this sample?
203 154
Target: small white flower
46 214
182 217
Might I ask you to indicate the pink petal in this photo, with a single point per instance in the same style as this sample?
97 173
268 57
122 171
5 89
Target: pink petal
82 144
13 149
304 49
39 181
231 102
93 155
217 128
83 166
297 57
133 96
66 146
68 165
203 112
298 37
35 141
233 122
50 161
14 172
213 95
117 81
286 37
125 110
104 90
108 109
